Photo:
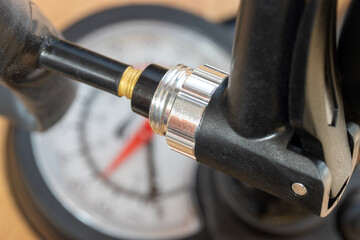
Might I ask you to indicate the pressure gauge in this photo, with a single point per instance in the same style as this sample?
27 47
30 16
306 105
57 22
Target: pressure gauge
100 173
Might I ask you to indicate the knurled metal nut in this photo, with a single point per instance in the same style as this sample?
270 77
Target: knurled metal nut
188 106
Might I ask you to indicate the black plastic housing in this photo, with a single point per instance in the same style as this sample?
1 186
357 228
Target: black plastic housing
267 164
349 58
258 84
272 127
145 88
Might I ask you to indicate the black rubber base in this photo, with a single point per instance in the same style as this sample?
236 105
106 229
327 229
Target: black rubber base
235 211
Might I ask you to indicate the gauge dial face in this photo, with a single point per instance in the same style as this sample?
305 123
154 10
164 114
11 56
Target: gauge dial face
146 194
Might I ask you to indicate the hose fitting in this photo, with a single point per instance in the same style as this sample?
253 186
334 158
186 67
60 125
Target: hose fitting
128 81
179 102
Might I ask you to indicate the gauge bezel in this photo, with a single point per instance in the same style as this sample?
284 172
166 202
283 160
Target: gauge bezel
39 206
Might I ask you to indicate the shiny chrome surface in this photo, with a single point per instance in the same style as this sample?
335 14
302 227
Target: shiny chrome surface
299 189
327 204
179 103
165 95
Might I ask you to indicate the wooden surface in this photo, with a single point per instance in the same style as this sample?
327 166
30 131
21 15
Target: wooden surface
62 13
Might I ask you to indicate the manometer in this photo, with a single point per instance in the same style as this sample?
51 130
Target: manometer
103 174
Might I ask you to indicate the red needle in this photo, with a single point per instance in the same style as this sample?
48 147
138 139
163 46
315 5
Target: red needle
139 139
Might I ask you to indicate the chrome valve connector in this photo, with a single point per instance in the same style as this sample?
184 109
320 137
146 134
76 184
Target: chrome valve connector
179 103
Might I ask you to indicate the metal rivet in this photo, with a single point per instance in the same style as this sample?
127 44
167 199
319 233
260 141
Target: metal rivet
299 189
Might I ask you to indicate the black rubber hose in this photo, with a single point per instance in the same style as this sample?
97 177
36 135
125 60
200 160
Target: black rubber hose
81 64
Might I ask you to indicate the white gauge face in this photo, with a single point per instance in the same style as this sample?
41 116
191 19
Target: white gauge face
143 195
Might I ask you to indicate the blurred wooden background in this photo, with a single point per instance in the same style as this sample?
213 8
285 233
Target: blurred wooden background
62 13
